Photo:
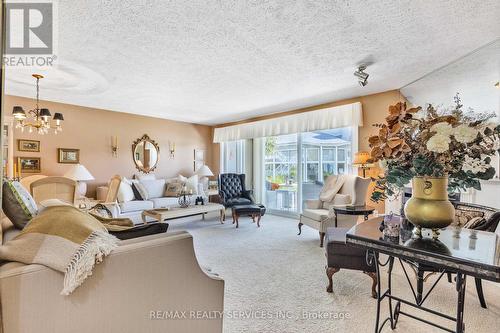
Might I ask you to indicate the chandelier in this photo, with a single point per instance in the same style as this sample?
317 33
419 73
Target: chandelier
41 117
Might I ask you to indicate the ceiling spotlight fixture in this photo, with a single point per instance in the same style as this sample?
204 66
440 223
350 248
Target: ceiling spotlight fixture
361 75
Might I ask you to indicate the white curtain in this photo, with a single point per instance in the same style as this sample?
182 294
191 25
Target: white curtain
328 118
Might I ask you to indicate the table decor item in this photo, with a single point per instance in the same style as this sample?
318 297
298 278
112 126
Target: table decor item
440 150
184 199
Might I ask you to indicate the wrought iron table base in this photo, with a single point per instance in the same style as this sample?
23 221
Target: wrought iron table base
395 312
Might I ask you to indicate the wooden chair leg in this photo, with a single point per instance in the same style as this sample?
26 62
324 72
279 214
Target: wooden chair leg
449 276
373 275
321 238
479 289
329 273
258 220
300 228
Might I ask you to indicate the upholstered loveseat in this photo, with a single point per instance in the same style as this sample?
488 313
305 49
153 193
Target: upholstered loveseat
138 288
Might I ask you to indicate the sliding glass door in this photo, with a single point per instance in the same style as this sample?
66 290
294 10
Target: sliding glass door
296 165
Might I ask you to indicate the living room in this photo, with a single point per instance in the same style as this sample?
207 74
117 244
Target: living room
258 166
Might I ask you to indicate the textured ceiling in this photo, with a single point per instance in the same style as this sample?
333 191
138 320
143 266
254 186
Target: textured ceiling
211 62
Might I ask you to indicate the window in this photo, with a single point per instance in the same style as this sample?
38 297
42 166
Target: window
233 157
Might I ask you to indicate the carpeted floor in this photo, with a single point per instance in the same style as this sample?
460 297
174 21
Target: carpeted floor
275 282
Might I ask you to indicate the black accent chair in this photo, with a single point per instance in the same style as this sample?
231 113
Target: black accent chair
232 190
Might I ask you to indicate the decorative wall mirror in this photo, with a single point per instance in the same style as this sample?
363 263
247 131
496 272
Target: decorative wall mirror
145 153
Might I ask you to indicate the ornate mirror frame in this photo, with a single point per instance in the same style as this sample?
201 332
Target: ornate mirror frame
145 138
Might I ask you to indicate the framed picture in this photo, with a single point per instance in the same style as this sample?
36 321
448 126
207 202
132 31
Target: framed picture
68 155
199 155
29 164
28 145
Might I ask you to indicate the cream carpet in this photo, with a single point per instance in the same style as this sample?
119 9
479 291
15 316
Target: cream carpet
275 282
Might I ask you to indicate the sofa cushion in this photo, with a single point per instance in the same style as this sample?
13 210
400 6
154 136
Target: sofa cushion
332 186
315 214
142 176
135 205
18 205
338 200
125 192
164 202
155 188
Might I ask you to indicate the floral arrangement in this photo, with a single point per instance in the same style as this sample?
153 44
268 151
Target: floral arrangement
431 143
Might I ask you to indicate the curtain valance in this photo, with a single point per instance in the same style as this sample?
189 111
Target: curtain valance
328 118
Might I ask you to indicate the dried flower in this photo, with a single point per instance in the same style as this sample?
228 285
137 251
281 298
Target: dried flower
464 133
443 128
439 143
474 165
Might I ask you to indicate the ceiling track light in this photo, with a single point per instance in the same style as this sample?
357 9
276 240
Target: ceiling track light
361 75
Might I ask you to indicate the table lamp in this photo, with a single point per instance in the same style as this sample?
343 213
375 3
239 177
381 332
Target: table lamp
362 159
204 172
80 173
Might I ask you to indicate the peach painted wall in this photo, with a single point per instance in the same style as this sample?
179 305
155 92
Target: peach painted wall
90 130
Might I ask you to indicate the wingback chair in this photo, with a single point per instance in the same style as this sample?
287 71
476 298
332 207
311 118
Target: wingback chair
317 213
232 190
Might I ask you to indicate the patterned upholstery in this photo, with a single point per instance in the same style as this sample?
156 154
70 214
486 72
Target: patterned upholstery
232 190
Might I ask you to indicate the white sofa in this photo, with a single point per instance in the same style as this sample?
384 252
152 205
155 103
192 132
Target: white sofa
127 205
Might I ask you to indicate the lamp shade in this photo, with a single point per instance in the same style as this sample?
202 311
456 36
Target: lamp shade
204 171
79 172
361 157
45 113
18 112
58 116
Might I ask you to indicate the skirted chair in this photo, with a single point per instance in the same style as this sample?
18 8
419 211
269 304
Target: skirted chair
338 190
232 190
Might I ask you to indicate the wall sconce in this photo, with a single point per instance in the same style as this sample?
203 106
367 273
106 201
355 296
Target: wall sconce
114 146
171 149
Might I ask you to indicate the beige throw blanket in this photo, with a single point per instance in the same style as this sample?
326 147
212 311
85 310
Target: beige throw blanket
65 239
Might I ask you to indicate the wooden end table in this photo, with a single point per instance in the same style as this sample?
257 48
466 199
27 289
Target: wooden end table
352 210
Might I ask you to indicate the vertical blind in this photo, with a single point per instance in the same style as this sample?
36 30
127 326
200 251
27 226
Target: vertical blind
328 118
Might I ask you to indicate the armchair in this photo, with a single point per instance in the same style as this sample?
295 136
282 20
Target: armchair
232 190
318 215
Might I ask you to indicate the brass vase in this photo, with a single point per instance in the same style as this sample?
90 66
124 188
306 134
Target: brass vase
429 206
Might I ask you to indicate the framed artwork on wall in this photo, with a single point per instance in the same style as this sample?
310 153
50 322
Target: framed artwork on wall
68 155
199 159
28 145
29 164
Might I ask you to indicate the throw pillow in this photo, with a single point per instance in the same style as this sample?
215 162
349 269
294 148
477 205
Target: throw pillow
463 216
155 188
332 186
191 183
18 205
474 222
149 176
173 189
140 191
125 192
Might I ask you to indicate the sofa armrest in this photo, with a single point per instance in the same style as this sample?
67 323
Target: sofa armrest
128 292
113 207
313 204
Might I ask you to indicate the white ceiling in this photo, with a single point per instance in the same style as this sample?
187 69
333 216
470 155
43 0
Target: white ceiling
211 62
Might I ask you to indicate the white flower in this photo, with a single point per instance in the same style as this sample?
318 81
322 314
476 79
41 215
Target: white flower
439 143
475 165
442 128
464 133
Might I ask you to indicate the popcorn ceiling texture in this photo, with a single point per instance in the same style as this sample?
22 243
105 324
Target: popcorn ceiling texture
216 61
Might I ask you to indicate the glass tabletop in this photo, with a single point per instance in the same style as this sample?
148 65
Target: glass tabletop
478 248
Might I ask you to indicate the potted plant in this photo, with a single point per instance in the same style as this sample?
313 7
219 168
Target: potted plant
439 151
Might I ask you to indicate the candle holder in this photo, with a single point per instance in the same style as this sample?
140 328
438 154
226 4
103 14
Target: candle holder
184 199
114 146
171 149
